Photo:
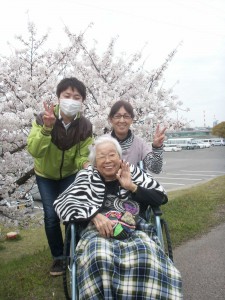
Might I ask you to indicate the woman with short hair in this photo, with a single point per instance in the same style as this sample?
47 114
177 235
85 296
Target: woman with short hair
118 255
135 149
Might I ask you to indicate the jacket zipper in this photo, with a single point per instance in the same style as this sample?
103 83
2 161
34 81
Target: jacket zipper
62 161
61 166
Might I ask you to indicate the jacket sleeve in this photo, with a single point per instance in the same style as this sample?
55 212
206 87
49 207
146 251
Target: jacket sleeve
150 191
153 161
38 140
150 197
83 152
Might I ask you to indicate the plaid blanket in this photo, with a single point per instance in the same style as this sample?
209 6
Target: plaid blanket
134 268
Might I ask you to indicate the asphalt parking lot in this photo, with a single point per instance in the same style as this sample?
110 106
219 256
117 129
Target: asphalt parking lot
201 261
183 169
190 167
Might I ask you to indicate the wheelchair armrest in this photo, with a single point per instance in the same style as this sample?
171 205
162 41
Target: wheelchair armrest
68 222
156 210
152 210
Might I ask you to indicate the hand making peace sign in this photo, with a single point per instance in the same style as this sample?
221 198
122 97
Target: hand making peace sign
49 117
159 137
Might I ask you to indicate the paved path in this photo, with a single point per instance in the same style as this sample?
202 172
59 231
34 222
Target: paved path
202 266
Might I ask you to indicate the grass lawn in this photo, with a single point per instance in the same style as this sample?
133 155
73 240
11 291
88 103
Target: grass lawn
25 262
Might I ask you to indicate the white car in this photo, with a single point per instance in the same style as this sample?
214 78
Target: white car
202 145
217 142
171 148
207 142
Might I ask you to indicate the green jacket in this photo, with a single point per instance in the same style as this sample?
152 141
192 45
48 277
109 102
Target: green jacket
58 152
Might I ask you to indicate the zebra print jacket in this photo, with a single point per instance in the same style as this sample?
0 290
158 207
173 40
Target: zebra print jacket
83 199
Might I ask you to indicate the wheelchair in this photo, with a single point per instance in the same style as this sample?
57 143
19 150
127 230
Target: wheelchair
153 215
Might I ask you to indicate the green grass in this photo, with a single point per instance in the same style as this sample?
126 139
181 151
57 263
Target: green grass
24 263
29 241
28 277
192 212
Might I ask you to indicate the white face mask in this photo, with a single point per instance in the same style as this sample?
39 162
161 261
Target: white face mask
70 107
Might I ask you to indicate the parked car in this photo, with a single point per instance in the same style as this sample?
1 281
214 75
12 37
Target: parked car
218 142
171 148
184 143
207 143
196 145
201 144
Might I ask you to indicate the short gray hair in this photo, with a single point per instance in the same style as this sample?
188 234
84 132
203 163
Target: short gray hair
102 140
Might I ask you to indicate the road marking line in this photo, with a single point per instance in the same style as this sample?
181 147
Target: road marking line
204 171
196 179
170 183
191 174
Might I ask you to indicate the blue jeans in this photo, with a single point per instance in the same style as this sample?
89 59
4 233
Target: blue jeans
49 190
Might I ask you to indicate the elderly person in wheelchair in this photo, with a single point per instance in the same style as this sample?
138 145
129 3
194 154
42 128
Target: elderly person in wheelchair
118 255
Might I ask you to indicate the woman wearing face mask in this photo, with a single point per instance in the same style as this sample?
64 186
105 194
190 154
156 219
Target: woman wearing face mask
59 142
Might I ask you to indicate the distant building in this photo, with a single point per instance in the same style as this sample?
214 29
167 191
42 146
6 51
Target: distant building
197 133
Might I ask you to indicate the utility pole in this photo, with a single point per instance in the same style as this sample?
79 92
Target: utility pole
215 121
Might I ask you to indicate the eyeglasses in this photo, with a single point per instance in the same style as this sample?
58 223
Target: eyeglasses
110 156
126 117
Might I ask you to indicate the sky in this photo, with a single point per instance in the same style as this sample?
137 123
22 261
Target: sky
195 27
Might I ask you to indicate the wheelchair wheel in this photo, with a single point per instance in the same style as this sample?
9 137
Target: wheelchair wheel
166 239
69 266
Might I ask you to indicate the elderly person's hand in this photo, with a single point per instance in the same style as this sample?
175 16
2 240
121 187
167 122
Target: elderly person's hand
124 177
103 225
159 137
49 117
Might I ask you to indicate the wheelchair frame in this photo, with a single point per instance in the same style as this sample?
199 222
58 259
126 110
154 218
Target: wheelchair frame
69 263
153 216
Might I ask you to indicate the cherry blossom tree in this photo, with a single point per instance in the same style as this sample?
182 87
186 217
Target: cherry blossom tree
30 75
27 77
110 78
